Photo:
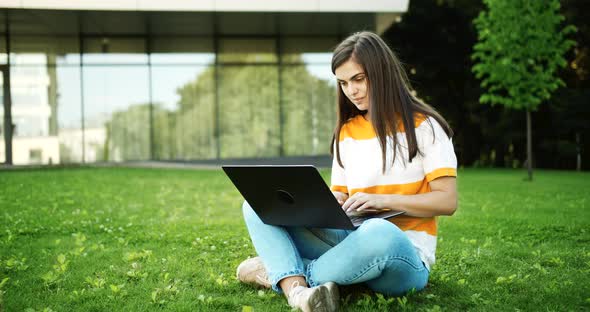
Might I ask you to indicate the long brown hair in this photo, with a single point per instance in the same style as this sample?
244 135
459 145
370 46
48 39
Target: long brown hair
390 95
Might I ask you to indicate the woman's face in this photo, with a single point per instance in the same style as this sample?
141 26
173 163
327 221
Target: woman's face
353 81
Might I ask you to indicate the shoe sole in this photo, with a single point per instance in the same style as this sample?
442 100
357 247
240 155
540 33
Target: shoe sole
325 299
333 296
252 280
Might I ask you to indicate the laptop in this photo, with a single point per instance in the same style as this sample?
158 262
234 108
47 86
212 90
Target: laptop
294 196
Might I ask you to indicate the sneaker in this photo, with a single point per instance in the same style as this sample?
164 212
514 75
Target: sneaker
334 295
323 298
251 271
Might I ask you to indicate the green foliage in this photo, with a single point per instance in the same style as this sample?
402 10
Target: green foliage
250 116
521 46
171 240
309 112
129 134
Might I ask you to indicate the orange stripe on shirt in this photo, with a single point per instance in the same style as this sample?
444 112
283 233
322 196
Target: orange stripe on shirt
404 189
359 128
441 172
339 188
405 223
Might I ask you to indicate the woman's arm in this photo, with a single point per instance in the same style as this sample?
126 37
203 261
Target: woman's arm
441 200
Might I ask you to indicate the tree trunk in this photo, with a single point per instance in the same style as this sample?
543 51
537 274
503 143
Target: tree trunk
529 146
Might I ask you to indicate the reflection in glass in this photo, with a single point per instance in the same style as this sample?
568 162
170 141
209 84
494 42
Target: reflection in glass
45 91
34 138
61 50
309 97
247 51
117 113
249 111
307 50
115 51
181 50
47 98
182 58
184 112
69 114
309 109
3 55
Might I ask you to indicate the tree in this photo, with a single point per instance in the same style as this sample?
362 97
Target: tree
249 113
521 45
434 40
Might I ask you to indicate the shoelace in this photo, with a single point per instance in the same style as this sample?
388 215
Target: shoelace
293 293
262 279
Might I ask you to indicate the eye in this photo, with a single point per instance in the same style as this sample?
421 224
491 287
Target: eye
342 83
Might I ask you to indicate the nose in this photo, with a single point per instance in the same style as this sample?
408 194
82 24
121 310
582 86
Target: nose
352 89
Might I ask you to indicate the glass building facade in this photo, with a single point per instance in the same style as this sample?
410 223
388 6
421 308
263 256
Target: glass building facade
94 86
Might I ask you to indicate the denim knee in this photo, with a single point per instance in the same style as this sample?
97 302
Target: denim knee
248 212
382 235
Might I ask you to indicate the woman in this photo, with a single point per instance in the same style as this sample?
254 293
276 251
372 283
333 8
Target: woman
390 151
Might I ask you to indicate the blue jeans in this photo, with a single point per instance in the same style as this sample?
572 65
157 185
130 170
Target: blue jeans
377 253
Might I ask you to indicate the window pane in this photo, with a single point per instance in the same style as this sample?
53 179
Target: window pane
116 102
47 50
247 51
309 109
31 110
320 49
69 114
115 51
249 111
46 100
174 50
184 115
3 56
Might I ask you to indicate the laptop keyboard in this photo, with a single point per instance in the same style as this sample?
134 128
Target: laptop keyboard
358 220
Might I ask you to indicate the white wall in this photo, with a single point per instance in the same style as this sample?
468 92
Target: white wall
215 5
22 147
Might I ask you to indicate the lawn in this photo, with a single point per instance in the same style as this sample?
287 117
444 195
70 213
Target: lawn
101 239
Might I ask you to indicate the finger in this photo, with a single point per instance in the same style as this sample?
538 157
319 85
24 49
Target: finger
348 202
351 204
365 207
356 204
369 204
362 207
360 202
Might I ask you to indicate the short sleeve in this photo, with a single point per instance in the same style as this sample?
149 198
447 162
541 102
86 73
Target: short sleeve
338 176
438 154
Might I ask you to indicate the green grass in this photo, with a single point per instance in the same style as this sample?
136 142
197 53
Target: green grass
98 239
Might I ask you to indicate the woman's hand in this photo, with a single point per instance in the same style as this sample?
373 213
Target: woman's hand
340 197
441 200
364 203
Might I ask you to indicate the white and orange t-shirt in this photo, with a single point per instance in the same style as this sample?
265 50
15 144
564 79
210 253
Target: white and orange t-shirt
360 154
